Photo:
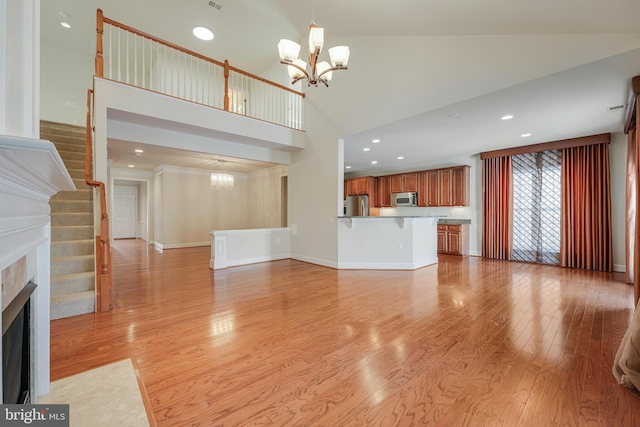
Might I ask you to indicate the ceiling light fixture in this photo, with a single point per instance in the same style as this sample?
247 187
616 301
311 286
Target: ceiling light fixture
507 117
65 24
137 150
348 167
203 33
374 162
525 135
366 149
400 158
221 180
375 141
289 52
131 166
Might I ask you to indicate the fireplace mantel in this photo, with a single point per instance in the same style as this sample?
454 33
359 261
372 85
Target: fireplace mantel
31 171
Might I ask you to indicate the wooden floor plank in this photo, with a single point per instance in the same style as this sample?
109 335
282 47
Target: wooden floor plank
467 342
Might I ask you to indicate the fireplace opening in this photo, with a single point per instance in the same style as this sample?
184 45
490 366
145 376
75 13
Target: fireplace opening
16 349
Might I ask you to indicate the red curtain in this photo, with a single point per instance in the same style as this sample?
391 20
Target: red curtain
586 238
496 208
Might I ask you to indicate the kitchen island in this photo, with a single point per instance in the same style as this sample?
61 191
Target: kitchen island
387 242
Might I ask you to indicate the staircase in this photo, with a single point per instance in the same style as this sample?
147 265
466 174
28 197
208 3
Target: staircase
72 232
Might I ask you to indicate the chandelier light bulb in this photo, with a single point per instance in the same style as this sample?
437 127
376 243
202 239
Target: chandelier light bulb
321 72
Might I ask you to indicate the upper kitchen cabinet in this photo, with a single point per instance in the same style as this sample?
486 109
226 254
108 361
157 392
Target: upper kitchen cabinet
404 183
428 188
383 191
461 186
453 184
360 186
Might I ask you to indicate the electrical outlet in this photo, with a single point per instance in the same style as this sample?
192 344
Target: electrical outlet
399 246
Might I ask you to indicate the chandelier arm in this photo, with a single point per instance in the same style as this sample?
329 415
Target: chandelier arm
296 66
313 59
339 67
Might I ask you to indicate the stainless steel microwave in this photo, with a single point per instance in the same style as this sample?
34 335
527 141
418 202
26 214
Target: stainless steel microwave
404 199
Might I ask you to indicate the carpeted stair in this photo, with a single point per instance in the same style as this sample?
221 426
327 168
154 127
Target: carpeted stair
72 235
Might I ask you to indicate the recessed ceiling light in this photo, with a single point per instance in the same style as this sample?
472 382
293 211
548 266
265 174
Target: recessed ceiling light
374 162
400 158
132 166
137 150
347 167
65 24
525 135
366 149
64 14
203 33
507 117
375 141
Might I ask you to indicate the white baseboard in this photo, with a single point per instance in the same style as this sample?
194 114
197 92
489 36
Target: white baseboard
475 253
386 266
620 267
158 246
312 260
186 245
219 265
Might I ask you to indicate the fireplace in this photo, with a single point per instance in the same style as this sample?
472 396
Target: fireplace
16 348
31 171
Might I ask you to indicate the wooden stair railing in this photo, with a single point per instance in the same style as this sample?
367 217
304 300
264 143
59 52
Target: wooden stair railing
103 249
101 20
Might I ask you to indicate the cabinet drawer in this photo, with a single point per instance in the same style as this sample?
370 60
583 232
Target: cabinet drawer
456 228
442 227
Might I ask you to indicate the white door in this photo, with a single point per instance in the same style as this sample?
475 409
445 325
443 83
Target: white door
125 209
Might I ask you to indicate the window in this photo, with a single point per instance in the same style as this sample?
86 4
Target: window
537 207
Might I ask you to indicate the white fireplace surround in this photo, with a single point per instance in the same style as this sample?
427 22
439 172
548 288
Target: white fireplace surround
31 171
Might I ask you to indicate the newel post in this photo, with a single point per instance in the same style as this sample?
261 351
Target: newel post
226 85
100 31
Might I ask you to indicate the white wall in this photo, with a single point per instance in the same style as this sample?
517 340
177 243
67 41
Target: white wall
264 198
190 208
618 162
315 191
20 68
66 75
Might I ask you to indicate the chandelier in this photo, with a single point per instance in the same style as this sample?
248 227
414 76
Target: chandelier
221 181
320 72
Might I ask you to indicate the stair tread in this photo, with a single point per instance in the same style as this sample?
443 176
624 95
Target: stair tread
73 296
66 258
71 275
74 241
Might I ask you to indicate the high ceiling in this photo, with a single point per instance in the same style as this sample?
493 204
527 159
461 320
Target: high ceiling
430 78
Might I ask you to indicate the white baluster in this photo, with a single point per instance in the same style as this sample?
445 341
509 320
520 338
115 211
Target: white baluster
127 42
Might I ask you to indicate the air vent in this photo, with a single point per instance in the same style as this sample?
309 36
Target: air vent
615 108
215 5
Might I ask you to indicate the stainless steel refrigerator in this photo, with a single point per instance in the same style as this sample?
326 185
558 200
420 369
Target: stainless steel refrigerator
357 206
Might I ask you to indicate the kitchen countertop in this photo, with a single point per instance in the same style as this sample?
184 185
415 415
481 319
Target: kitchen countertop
453 221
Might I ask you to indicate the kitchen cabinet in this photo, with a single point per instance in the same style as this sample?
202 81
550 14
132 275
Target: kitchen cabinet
404 183
383 192
460 186
428 188
360 186
453 239
454 186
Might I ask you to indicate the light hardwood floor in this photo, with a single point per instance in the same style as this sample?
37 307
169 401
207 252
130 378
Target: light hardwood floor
466 342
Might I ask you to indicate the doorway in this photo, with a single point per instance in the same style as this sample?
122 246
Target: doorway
125 210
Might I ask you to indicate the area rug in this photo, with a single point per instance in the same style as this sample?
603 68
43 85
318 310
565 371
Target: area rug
112 395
